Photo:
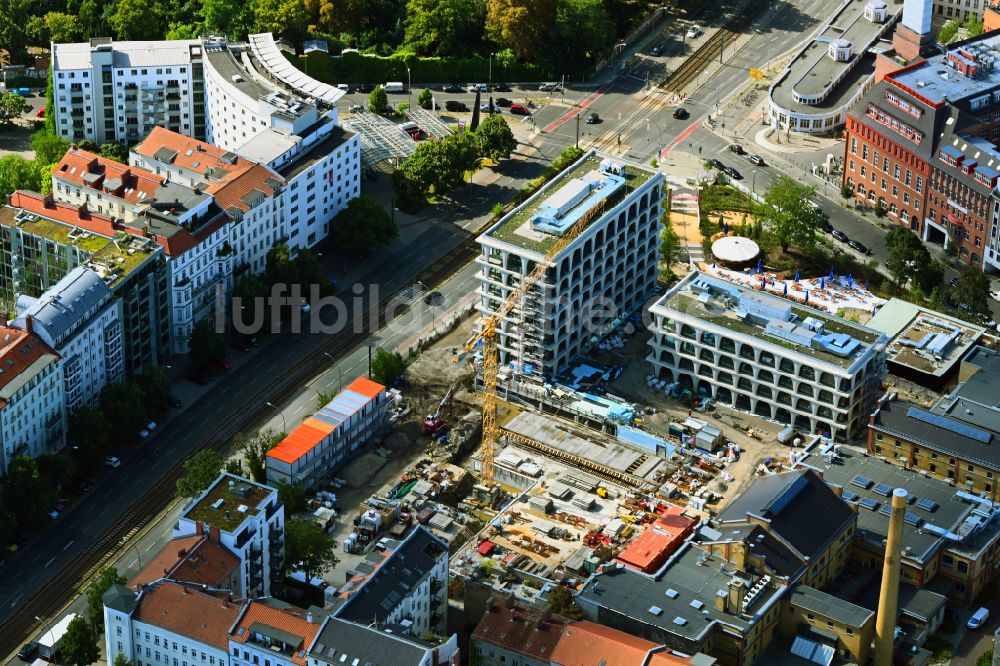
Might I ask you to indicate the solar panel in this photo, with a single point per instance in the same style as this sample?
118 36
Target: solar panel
949 424
849 496
926 504
886 509
862 482
913 519
869 503
883 489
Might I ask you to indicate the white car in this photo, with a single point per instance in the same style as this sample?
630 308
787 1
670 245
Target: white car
477 87
693 32
978 618
995 295
112 461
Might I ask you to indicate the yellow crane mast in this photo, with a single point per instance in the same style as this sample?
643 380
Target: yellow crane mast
488 336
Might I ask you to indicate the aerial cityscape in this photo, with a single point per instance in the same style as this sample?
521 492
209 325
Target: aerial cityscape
499 332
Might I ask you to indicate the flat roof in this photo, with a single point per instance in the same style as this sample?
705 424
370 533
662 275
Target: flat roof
727 304
129 54
937 81
226 515
317 152
829 606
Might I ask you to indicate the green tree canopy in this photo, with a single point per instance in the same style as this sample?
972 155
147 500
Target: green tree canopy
27 493
495 138
17 173
13 33
425 98
58 468
285 18
443 27
155 386
90 431
788 214
907 255
387 366
55 27
293 495
582 31
255 450
12 107
670 244
520 25
219 15
114 151
177 30
378 100
125 408
79 645
136 19
364 225
561 601
308 548
205 345
49 148
199 471
972 292
107 577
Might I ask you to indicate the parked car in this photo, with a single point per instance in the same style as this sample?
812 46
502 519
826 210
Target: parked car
23 92
366 87
716 164
693 32
519 110
593 119
504 102
476 87
489 108
978 618
113 462
501 87
433 298
174 402
995 295
681 113
840 235
732 173
551 86
357 108
344 87
826 226
225 363
756 160
657 51
953 282
859 246
736 148
41 112
452 88
987 321
28 652
455 106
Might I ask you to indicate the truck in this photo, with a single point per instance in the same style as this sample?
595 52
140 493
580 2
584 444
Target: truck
48 642
394 87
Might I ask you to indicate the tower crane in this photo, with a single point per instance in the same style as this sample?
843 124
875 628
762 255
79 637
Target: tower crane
488 336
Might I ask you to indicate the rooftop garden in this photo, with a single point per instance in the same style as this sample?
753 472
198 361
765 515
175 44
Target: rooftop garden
227 516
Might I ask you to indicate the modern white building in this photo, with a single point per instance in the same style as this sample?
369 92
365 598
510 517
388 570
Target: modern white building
601 275
409 587
167 621
81 320
248 520
32 417
767 355
118 91
834 69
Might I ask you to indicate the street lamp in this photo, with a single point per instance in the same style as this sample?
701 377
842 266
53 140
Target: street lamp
753 181
340 376
409 89
284 426
49 632
491 70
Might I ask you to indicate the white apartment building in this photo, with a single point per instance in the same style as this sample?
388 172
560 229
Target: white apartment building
341 642
167 621
604 273
250 522
81 320
118 91
766 355
32 417
272 633
409 587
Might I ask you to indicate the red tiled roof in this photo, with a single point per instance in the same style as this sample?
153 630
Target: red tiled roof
126 182
527 631
203 156
186 610
296 625
586 644
232 194
190 559
667 659
662 538
18 350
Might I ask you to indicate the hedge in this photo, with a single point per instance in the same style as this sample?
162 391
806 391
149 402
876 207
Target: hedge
353 68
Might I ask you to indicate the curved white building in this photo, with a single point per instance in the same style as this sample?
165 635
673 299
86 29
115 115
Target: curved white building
833 71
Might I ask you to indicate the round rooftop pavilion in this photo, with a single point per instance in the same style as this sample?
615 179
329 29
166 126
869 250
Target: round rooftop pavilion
735 252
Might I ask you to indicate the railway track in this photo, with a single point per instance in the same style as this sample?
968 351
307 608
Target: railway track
75 576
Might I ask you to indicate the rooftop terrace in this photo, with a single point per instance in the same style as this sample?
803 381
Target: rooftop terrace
565 196
936 80
228 502
922 339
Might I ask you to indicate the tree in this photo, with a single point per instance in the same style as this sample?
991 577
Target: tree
205 344
90 432
971 293
79 645
561 601
495 139
425 99
948 31
13 36
59 469
789 215
582 30
136 19
107 577
323 398
410 193
255 450
378 100
12 107
6 527
308 548
122 660
670 244
155 386
55 27
387 366
199 471
124 406
114 151
293 496
907 255
17 173
178 30
520 25
973 27
930 278
279 267
364 225
287 18
48 146
220 14
28 494
447 160
443 27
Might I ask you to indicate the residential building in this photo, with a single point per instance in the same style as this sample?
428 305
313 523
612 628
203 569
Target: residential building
991 22
199 558
605 272
512 634
833 70
106 90
829 623
249 520
341 642
408 587
80 319
269 631
167 620
950 539
585 643
767 355
326 441
958 10
925 347
42 240
651 549
32 415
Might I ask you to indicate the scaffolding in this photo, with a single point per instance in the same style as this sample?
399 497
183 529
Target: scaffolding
429 122
380 139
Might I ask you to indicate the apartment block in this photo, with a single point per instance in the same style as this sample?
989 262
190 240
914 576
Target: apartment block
606 271
766 355
200 559
516 634
106 90
270 631
249 520
32 416
340 642
42 241
326 441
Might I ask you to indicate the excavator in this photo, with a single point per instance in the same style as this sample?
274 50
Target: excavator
434 424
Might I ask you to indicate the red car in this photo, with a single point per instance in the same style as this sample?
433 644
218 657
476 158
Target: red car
519 110
41 112
226 363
